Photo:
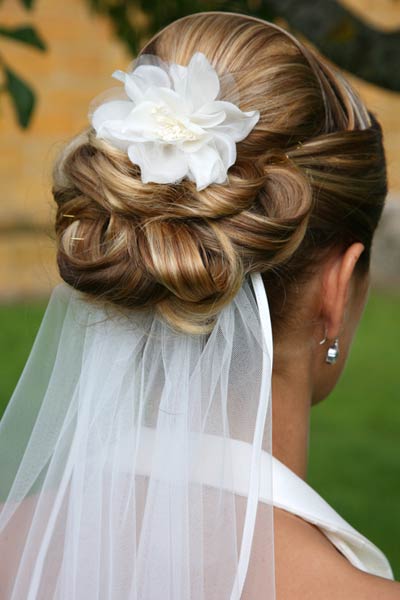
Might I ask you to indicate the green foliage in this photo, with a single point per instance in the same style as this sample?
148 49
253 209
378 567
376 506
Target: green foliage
337 32
28 4
21 93
354 448
135 21
22 96
25 34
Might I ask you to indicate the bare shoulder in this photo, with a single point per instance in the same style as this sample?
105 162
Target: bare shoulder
309 567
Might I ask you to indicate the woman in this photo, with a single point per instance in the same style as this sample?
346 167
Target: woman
137 444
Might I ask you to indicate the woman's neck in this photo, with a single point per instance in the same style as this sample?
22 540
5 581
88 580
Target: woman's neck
291 404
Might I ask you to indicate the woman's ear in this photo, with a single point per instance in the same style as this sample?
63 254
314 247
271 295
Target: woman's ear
336 279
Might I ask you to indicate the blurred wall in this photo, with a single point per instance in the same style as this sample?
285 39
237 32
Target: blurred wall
82 54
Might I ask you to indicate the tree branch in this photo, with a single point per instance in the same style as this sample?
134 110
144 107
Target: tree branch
347 41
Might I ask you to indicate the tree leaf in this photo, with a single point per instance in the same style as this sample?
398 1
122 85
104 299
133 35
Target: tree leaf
22 96
27 4
26 35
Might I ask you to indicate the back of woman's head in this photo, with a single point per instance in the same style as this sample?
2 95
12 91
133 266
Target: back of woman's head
309 178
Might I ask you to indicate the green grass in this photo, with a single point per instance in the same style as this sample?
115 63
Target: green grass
354 459
18 327
355 433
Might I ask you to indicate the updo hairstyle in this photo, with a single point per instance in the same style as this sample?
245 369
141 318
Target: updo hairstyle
309 178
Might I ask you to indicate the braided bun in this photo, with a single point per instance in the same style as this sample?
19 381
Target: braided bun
185 252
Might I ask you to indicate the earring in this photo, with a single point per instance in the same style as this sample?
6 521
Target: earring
333 352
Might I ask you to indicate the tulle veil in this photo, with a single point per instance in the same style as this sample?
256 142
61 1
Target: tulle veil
130 456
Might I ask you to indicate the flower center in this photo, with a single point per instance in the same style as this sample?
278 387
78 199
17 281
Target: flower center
171 128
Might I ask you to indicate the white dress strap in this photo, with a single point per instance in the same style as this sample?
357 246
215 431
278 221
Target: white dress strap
293 494
289 492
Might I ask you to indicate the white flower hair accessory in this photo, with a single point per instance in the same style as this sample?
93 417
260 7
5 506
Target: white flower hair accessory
171 123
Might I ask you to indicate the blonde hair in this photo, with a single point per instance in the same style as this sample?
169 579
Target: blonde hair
309 177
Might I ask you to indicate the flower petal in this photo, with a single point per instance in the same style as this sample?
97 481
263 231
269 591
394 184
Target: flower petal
201 83
178 76
226 148
108 134
159 163
238 123
208 116
174 102
134 87
195 145
142 78
206 167
152 75
140 124
110 114
120 75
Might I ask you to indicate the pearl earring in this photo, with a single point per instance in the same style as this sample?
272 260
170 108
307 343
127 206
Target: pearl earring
333 352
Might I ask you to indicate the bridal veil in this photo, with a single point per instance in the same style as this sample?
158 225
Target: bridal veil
121 452
131 452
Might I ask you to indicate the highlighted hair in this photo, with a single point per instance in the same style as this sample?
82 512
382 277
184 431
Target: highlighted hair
185 253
